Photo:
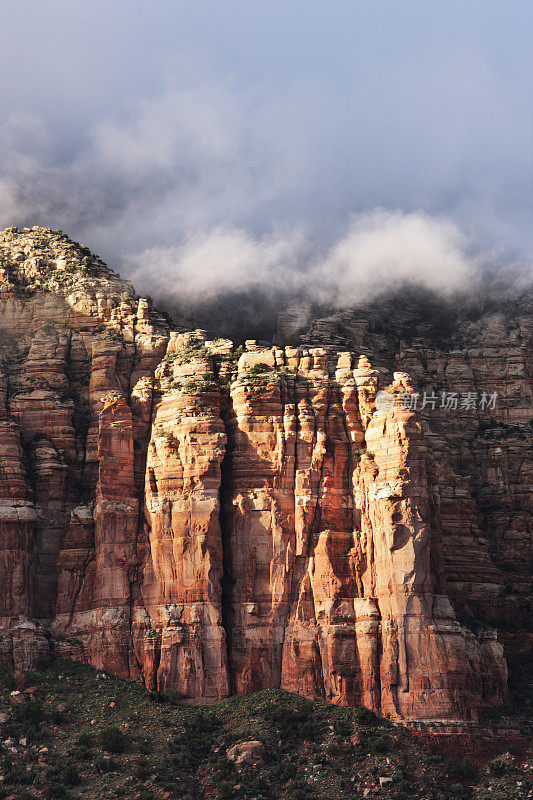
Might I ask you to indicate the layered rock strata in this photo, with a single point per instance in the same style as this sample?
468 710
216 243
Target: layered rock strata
210 520
479 453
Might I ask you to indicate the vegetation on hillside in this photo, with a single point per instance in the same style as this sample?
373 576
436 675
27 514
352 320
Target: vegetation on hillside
75 732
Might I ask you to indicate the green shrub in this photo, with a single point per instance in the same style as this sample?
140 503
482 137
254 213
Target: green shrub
143 769
468 770
43 663
106 764
56 791
257 369
460 771
31 713
342 727
404 786
226 791
145 745
365 716
225 767
59 715
498 767
83 753
85 740
288 772
378 744
113 740
334 749
71 776
457 790
6 679
299 790
15 774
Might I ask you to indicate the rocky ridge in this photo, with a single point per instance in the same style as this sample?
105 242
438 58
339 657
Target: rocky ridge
213 520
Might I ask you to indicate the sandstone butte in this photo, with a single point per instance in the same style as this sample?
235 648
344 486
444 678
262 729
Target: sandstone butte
210 520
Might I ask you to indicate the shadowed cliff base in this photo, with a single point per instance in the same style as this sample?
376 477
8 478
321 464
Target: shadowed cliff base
398 316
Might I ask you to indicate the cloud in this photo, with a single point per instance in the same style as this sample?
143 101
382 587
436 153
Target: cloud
209 186
173 191
221 261
379 249
183 161
387 248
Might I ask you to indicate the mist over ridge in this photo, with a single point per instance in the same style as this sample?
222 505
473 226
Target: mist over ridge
322 154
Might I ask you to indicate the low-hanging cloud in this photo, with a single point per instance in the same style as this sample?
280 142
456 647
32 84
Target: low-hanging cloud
387 249
220 261
379 249
185 160
207 187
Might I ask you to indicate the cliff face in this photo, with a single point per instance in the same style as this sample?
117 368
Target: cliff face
204 520
479 456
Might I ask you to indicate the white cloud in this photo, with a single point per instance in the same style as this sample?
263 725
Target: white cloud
204 189
381 249
221 260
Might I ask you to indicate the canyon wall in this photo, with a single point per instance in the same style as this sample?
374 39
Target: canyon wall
210 519
479 454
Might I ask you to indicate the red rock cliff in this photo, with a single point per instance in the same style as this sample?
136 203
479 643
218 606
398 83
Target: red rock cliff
207 521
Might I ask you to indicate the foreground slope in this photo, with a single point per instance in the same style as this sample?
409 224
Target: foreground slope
73 732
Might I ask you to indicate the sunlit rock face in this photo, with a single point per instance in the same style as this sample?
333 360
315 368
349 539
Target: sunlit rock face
208 520
479 454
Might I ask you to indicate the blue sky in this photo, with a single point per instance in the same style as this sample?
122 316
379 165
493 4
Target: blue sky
145 128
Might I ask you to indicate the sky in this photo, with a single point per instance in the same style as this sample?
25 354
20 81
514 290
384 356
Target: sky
201 146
